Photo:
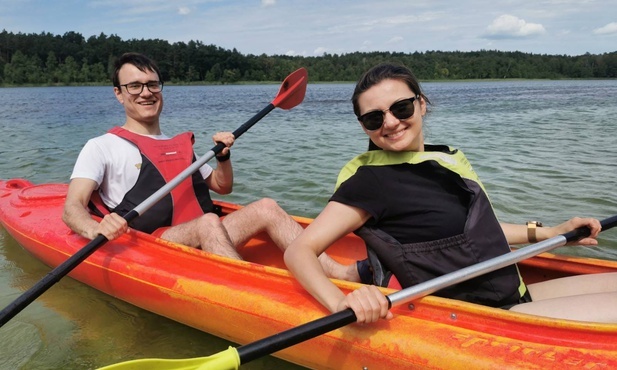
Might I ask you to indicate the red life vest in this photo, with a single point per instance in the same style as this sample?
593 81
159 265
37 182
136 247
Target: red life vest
163 160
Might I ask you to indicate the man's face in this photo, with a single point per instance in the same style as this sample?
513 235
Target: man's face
145 107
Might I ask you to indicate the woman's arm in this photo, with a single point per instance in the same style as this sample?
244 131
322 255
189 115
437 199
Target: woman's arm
301 257
517 234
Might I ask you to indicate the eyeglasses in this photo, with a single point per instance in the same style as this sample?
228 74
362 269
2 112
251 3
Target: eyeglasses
402 109
136 88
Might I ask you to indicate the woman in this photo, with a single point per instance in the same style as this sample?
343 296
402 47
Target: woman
423 212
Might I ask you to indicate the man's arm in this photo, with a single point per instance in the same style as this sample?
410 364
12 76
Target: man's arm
221 180
78 219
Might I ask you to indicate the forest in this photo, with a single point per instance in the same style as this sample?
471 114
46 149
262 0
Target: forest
71 59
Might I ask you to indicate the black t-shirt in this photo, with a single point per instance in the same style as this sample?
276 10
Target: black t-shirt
412 203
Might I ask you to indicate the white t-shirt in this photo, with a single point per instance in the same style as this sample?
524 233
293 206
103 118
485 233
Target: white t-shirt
114 164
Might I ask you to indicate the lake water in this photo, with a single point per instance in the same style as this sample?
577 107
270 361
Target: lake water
545 150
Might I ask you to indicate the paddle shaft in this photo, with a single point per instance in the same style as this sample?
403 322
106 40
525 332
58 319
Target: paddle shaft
167 188
339 319
492 264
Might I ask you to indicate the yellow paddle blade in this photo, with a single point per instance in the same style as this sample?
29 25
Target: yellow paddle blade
225 360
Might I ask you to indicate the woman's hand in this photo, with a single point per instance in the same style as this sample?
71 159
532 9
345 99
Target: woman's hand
576 222
368 303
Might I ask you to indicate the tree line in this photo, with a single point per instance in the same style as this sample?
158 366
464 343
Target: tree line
48 59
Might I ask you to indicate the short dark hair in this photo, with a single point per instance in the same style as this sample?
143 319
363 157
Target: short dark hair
385 71
142 62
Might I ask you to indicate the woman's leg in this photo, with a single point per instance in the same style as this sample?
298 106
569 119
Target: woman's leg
596 307
590 297
574 285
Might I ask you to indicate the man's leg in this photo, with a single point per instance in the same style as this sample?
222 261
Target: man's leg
266 215
262 215
206 232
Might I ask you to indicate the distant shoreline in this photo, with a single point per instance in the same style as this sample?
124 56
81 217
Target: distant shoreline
204 83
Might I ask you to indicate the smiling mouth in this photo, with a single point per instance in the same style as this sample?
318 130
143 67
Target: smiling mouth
395 135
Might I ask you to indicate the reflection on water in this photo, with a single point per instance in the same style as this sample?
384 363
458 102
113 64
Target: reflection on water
544 149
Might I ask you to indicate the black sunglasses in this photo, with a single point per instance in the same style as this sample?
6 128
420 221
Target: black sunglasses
402 109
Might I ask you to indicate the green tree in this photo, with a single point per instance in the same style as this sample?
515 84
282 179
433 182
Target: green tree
84 74
51 68
15 71
69 71
98 74
46 58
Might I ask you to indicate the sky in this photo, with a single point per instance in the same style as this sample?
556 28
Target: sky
315 27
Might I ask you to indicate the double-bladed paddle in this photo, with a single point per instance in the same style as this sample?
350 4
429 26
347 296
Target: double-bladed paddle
232 358
290 94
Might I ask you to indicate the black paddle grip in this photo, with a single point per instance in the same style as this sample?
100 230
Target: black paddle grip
582 232
295 335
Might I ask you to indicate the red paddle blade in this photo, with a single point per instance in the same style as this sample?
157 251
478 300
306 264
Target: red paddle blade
292 90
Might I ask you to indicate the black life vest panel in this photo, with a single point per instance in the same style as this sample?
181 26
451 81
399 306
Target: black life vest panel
414 263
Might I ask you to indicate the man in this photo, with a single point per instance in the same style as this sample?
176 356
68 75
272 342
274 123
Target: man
129 163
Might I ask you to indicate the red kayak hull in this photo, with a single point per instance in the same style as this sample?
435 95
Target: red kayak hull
244 301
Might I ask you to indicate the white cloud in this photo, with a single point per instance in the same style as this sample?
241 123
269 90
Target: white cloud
395 40
509 26
268 2
609 29
183 10
320 51
401 19
293 53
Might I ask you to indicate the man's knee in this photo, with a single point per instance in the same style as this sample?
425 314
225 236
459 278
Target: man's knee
209 220
268 204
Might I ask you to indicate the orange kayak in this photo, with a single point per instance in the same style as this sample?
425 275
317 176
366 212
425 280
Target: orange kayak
244 301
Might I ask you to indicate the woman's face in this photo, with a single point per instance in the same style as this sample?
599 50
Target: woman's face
395 134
